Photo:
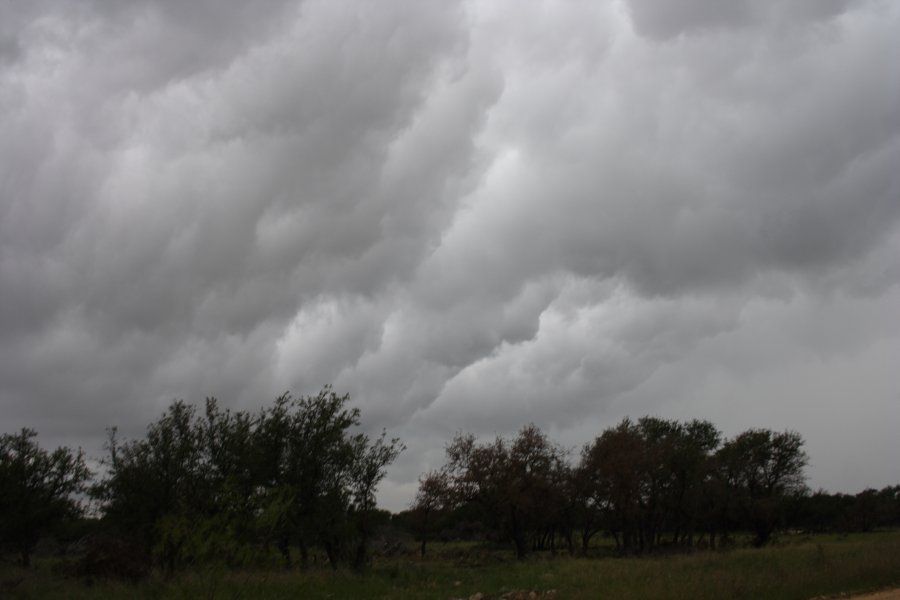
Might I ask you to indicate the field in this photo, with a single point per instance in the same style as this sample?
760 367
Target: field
795 567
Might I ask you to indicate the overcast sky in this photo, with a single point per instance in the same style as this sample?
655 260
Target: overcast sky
467 215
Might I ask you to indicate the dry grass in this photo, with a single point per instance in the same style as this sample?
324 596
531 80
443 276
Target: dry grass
799 568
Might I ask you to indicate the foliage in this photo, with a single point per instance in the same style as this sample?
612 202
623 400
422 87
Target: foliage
651 484
518 484
244 490
429 506
38 490
866 511
762 468
639 480
110 558
223 486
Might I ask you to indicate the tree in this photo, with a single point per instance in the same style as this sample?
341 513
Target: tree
684 457
213 487
308 460
369 468
518 484
38 489
431 500
762 469
639 480
232 467
156 487
611 480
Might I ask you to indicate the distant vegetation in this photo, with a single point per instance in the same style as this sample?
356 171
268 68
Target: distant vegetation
294 484
220 486
651 484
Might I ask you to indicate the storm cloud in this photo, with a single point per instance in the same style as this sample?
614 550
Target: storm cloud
468 215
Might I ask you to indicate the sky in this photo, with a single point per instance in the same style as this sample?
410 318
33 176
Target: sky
468 215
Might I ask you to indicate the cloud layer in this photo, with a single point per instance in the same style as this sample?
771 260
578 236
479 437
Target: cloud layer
467 215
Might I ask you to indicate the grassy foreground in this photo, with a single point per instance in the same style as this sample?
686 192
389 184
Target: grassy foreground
796 568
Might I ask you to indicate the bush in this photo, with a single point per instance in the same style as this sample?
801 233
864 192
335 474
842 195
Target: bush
109 557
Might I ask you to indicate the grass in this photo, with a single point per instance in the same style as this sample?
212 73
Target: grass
801 567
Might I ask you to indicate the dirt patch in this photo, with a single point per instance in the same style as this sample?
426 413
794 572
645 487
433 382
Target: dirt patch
882 595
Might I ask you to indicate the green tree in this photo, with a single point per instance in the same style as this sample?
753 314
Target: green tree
38 489
319 477
308 459
157 486
369 468
232 464
214 487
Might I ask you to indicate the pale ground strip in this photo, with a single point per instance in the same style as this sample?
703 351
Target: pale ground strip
893 594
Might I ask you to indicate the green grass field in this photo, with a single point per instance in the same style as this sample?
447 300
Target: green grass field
800 567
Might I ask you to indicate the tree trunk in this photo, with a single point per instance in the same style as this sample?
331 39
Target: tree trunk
518 536
331 553
521 546
304 554
359 562
586 536
284 547
424 531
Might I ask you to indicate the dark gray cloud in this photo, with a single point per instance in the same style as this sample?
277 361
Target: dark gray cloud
665 20
467 215
189 216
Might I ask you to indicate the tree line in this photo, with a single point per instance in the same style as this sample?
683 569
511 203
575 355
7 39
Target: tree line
218 486
297 480
650 485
